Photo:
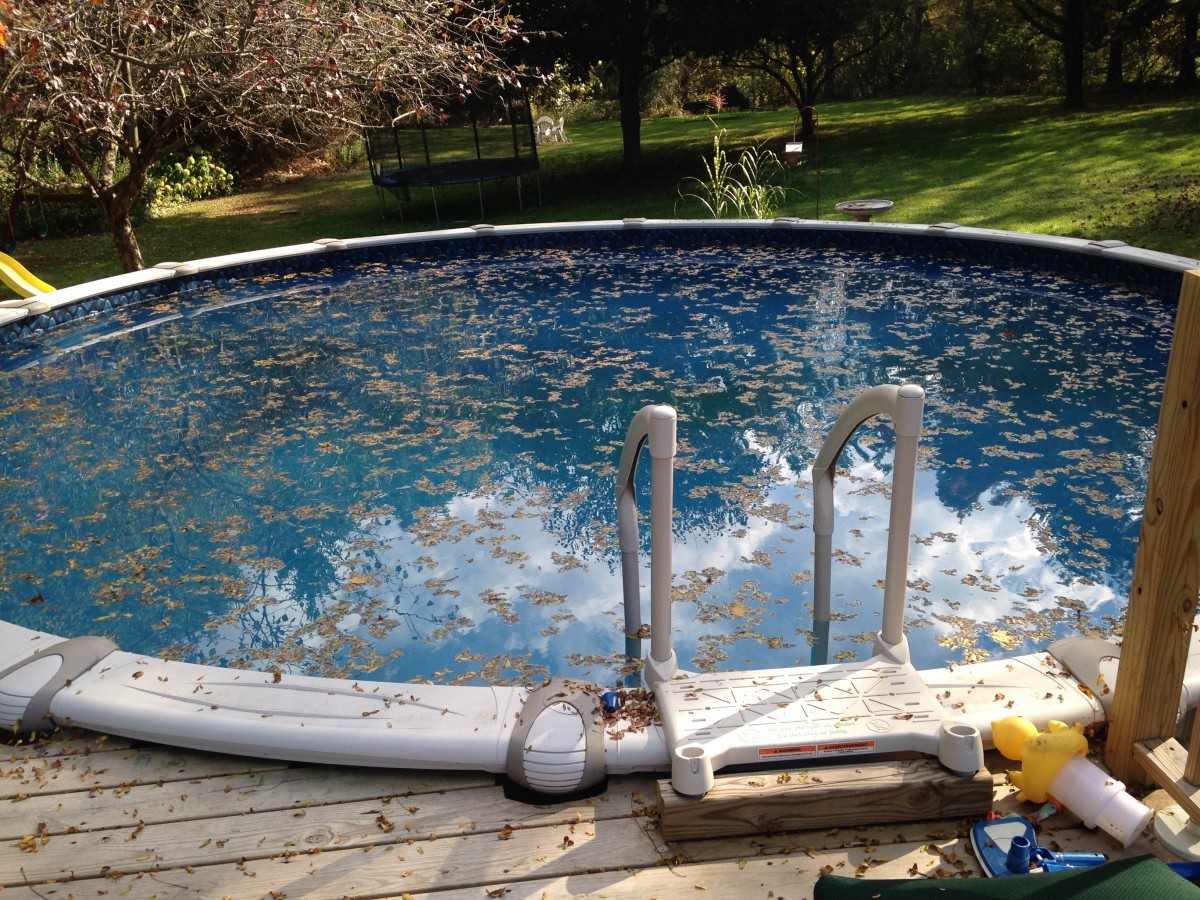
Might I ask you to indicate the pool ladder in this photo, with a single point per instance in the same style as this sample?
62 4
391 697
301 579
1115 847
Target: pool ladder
814 714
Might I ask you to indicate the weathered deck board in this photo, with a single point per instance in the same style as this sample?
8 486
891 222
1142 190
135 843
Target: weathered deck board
134 821
117 770
381 869
784 875
67 742
285 833
236 794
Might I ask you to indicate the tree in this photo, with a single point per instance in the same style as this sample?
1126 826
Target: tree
1188 45
1066 22
115 86
637 36
1128 22
803 44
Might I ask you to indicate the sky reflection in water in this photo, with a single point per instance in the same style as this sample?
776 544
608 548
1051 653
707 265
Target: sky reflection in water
410 475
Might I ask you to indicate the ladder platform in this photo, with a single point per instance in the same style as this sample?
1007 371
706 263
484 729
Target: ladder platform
815 713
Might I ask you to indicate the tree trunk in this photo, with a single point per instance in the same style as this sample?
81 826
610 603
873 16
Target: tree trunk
630 59
808 121
1115 76
1074 51
629 96
128 251
914 75
116 201
117 205
1189 46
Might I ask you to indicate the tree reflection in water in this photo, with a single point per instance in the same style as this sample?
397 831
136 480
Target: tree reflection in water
408 474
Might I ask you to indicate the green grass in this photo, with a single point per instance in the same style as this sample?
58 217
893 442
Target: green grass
1124 169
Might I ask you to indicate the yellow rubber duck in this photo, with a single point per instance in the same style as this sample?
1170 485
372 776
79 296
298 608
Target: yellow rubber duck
1041 753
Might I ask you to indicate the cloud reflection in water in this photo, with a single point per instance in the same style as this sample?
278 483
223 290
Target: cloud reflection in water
409 475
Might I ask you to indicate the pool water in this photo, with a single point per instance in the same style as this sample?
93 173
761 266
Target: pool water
406 471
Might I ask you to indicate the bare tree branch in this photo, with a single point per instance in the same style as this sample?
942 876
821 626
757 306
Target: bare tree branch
139 79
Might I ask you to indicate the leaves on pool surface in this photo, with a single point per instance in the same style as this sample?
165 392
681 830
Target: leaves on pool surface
501 606
408 480
738 609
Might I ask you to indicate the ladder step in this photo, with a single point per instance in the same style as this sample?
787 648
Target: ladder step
872 707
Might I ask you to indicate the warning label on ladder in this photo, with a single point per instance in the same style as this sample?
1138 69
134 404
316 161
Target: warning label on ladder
798 751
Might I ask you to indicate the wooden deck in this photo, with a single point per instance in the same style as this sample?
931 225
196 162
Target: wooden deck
83 816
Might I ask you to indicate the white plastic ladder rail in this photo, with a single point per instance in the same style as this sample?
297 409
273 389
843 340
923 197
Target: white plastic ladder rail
656 425
817 713
905 404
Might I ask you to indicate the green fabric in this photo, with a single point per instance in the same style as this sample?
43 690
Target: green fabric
1129 879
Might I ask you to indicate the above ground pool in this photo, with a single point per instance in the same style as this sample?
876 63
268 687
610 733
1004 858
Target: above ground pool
394 458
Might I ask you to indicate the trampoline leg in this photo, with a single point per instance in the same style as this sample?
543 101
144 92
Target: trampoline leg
380 193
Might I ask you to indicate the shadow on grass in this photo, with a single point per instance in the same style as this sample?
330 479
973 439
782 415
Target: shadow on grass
1123 168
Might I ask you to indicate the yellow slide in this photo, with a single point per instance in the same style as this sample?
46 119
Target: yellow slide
20 279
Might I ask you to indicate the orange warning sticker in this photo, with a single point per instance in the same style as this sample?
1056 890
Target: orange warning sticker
795 751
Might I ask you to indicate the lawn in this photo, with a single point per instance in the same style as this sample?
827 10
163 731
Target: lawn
1124 169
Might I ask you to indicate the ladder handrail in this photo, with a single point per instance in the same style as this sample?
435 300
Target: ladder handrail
655 424
905 405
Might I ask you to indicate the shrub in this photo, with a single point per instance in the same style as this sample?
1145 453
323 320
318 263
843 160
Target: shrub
587 98
187 176
349 153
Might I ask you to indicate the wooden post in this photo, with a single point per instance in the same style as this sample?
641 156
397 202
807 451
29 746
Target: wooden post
1166 573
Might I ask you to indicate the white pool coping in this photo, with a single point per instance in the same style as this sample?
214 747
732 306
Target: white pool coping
12 311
